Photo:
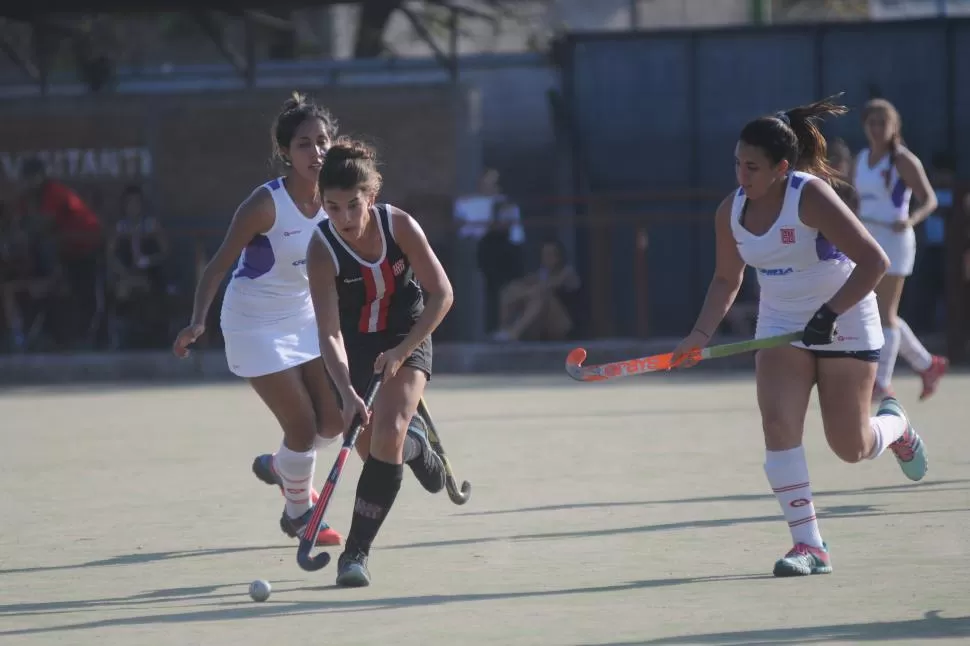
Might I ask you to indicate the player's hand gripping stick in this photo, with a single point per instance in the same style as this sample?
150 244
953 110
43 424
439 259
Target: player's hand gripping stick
309 538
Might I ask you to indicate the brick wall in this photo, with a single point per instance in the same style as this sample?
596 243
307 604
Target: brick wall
199 155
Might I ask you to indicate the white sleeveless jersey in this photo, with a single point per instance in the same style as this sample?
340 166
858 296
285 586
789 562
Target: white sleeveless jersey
883 195
269 287
798 271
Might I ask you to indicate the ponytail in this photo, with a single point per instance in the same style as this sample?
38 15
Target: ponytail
793 135
812 156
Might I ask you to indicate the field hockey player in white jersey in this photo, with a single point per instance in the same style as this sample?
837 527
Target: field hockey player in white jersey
267 315
886 175
817 267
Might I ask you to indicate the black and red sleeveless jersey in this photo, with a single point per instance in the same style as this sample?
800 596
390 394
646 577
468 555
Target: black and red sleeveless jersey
382 296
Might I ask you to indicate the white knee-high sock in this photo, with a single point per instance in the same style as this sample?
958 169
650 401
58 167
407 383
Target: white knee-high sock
887 358
787 473
910 348
321 442
886 429
296 471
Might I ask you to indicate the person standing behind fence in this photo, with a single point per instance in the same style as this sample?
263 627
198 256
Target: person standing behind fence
268 319
886 175
137 251
29 270
77 232
499 259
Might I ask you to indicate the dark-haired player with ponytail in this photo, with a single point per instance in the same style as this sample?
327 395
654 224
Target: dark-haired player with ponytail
367 267
267 315
886 175
817 266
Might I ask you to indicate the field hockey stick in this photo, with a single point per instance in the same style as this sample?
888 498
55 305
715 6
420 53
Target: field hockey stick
459 497
309 538
658 362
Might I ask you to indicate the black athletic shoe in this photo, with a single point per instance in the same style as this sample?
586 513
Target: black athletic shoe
352 569
428 467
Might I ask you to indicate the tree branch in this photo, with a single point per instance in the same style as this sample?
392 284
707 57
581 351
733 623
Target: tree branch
19 58
446 61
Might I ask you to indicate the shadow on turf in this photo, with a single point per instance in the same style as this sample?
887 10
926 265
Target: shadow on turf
931 626
595 416
144 557
166 595
900 488
843 511
243 608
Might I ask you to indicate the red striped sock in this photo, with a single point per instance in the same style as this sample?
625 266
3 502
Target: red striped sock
296 471
787 473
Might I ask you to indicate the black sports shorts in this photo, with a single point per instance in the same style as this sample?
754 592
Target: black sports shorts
871 356
363 349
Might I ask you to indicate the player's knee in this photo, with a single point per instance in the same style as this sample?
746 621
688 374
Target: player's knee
390 429
398 425
388 435
848 450
299 433
330 428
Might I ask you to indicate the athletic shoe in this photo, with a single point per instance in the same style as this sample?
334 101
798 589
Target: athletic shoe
931 377
264 470
352 569
428 467
909 449
293 527
803 560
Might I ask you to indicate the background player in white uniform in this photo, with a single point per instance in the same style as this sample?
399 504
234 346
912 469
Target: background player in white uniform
817 267
886 175
267 315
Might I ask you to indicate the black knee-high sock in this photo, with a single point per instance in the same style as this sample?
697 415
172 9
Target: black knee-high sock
376 490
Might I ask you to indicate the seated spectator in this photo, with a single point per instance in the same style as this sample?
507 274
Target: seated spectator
542 305
76 233
28 273
137 255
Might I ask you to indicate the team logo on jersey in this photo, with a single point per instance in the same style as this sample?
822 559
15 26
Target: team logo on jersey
776 272
398 267
787 235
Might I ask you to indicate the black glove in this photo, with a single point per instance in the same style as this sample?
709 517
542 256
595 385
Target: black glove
821 329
